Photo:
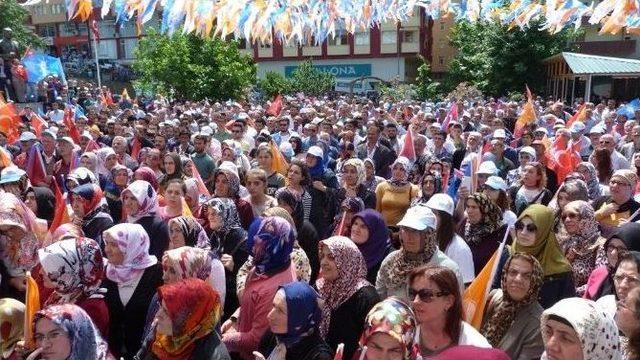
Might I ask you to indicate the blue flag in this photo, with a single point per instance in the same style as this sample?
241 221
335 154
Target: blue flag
40 66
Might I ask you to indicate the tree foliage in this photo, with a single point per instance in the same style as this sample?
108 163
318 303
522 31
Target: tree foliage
305 79
396 91
426 88
274 83
190 67
14 16
499 60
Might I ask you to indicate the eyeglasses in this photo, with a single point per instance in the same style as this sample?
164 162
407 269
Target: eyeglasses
530 227
569 216
49 336
426 295
631 279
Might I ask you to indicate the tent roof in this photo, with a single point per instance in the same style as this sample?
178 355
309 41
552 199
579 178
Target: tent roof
594 64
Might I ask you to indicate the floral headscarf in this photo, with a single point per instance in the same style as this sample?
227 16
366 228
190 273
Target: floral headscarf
86 342
133 241
93 158
64 232
147 174
491 219
227 210
352 274
395 318
403 263
103 154
194 308
147 199
232 178
593 185
193 233
188 262
505 312
271 245
82 175
584 241
359 166
11 325
406 166
596 329
76 268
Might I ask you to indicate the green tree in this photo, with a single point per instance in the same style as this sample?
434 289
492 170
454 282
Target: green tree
426 88
274 84
499 60
14 16
190 67
311 81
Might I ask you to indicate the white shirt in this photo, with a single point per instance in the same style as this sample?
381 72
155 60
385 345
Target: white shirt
56 116
126 289
459 251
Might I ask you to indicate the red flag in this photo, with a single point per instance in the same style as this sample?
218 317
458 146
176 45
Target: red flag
70 123
136 146
276 106
35 166
91 146
38 124
109 98
61 216
10 122
452 115
202 189
408 150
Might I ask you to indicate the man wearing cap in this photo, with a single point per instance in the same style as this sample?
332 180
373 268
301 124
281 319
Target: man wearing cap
14 180
55 114
49 153
419 247
61 169
27 139
616 208
503 164
381 155
577 130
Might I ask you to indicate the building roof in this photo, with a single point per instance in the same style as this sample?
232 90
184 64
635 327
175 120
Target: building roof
597 65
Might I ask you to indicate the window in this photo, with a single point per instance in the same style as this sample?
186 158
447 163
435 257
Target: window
46 30
39 10
389 37
441 60
362 38
57 9
409 36
338 40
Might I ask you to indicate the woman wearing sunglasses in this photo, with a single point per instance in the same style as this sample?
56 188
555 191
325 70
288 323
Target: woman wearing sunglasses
535 236
437 303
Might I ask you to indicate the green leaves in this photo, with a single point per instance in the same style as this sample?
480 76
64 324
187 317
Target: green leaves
305 78
15 16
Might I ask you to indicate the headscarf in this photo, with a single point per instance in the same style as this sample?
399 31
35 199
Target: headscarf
93 158
193 233
64 232
147 174
596 329
228 212
378 244
234 146
546 248
271 245
359 166
505 312
593 185
188 262
86 342
178 173
194 308
46 202
491 219
320 166
76 268
133 241
146 197
404 262
395 318
11 325
231 173
103 154
406 166
584 241
193 192
303 312
20 256
82 175
94 199
437 186
352 274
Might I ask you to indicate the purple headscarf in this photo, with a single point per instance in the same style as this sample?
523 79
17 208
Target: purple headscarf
378 245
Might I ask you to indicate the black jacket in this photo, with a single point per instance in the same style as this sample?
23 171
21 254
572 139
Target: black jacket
311 347
93 227
158 232
323 206
383 157
234 243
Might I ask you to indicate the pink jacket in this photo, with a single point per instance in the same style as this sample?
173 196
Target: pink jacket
597 277
255 304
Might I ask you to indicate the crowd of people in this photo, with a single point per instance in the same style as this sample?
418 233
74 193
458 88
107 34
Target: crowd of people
299 229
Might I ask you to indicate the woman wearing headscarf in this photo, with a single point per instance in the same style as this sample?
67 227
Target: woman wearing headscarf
323 206
77 337
80 176
271 250
389 328
227 186
141 206
132 279
394 196
89 160
594 189
483 229
64 232
186 231
113 191
229 242
347 294
431 184
293 325
353 175
371 180
580 241
74 269
600 282
371 236
12 325
21 235
512 314
232 151
91 211
107 159
577 328
348 208
173 170
42 202
535 236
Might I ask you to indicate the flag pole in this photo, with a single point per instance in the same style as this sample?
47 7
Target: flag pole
95 52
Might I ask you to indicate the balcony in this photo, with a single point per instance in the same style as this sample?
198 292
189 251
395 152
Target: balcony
619 48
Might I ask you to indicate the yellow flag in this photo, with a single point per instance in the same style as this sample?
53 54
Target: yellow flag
32 306
279 163
186 211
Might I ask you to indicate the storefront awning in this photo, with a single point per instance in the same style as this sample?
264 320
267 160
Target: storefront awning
583 64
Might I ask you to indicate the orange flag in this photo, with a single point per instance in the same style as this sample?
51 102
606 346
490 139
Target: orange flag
527 116
38 124
70 123
279 164
5 158
32 306
580 115
9 122
186 211
62 216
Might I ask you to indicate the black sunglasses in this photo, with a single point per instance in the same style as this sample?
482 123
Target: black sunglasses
426 295
530 227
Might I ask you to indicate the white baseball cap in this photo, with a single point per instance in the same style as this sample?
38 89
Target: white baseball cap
496 183
499 134
488 167
529 151
577 126
316 151
442 202
419 218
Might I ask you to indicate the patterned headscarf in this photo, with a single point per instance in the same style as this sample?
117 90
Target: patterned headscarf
352 275
194 308
11 325
596 329
188 262
491 219
303 312
86 342
103 154
271 245
403 263
584 241
133 241
505 313
395 318
193 233
82 175
64 232
94 199
93 158
359 166
147 174
147 199
76 268
232 178
406 165
593 185
228 212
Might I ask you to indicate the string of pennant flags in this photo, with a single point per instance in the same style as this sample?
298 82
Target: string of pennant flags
313 21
